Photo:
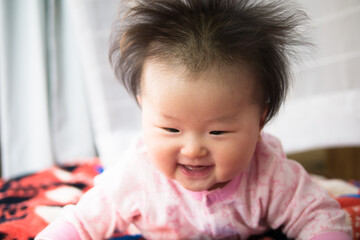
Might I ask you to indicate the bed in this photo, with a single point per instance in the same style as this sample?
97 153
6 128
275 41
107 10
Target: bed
28 203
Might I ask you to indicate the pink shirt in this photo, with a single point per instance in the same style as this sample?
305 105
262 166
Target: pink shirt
272 192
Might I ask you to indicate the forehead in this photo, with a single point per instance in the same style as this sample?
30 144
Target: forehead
233 78
212 95
172 89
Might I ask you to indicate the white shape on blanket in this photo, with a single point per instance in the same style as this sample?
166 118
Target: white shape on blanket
64 194
63 175
48 213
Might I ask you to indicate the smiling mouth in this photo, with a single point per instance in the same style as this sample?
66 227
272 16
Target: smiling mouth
195 171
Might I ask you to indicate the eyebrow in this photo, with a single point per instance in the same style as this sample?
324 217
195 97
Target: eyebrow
224 118
168 116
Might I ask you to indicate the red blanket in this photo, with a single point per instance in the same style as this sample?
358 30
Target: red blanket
28 203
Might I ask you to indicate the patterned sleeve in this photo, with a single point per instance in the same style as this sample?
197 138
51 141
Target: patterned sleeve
110 205
296 204
59 230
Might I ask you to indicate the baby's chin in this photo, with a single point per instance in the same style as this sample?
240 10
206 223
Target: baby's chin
218 185
195 188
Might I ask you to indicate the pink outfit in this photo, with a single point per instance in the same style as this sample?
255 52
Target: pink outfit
272 192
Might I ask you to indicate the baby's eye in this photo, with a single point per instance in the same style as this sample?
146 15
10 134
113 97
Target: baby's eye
171 130
218 132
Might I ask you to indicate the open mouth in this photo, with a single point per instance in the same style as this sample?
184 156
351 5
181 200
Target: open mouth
195 171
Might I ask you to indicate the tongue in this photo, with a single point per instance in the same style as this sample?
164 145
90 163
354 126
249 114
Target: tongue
195 168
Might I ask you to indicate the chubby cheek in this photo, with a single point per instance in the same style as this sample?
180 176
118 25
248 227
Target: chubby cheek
234 159
163 156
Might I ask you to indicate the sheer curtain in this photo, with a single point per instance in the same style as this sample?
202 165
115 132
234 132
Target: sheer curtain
44 110
59 99
115 116
323 108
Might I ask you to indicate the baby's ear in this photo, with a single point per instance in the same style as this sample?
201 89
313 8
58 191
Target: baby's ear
138 98
263 117
262 122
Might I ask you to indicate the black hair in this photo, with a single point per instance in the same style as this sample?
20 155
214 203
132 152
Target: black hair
259 35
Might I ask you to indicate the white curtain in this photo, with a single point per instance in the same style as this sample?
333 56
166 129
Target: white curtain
323 108
115 115
44 110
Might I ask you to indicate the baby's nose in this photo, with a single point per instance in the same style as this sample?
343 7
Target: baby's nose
194 149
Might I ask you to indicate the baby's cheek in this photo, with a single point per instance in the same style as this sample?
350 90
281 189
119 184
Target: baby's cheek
226 173
162 157
230 165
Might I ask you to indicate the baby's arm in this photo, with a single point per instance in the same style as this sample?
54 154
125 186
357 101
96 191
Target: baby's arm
332 236
309 212
97 214
59 230
92 218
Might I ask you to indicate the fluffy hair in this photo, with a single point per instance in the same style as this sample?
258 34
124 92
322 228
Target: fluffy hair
200 34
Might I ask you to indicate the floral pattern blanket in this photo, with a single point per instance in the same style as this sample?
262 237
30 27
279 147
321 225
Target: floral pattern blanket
28 203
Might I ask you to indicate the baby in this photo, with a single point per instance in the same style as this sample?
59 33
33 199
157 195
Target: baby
208 75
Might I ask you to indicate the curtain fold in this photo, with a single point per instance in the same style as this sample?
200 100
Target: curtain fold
69 111
115 115
24 96
44 114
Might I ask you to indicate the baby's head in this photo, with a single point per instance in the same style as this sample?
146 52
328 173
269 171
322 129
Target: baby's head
241 35
208 75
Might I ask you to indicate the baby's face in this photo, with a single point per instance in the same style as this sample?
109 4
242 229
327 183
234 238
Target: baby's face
198 130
